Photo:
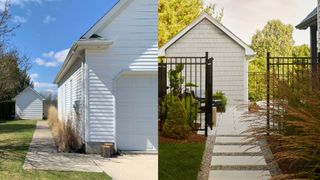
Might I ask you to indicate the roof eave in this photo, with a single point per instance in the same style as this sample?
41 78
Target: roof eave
74 51
306 24
310 20
248 51
42 98
108 16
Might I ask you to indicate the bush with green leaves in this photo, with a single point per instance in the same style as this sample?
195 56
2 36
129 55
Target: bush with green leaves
219 95
175 125
191 106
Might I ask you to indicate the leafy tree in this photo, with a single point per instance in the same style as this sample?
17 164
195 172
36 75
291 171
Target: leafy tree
13 75
276 38
301 51
174 15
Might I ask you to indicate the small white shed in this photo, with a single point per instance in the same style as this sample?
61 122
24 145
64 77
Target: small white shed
230 53
107 85
29 105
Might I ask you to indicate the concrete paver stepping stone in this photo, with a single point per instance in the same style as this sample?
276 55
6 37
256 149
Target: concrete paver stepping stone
238 161
239 175
232 140
227 132
236 149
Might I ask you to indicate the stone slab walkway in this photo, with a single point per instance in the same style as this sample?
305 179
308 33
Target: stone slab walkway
234 155
43 155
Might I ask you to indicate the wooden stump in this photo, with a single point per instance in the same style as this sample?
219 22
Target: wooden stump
107 150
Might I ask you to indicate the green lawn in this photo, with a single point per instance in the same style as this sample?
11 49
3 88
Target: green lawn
180 161
15 137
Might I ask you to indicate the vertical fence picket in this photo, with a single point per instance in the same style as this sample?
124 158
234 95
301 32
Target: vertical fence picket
193 67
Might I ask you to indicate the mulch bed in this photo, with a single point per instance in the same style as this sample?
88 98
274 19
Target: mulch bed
192 138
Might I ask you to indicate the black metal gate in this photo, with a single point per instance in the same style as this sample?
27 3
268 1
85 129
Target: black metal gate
189 78
297 73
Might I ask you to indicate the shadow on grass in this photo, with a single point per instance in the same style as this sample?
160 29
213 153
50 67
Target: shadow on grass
10 127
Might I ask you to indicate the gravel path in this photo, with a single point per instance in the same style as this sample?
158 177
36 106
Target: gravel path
206 160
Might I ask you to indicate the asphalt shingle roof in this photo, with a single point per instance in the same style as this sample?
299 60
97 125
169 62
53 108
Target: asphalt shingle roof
310 20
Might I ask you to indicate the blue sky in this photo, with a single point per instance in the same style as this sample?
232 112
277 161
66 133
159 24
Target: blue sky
48 29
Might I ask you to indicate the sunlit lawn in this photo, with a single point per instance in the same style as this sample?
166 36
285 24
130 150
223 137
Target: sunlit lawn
180 161
15 137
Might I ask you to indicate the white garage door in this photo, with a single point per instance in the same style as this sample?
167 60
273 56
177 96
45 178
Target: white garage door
136 112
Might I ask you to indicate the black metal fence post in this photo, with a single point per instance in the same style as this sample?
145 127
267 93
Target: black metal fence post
208 84
162 88
268 92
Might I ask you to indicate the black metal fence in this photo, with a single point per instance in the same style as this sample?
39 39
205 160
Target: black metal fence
189 78
297 73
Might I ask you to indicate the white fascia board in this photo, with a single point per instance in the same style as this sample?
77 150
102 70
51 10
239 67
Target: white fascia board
108 17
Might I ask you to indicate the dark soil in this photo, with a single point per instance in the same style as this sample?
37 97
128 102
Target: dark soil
193 137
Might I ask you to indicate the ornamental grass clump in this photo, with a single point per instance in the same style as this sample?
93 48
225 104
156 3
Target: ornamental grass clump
176 125
63 133
294 131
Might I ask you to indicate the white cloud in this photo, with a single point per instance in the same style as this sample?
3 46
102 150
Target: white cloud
54 58
40 61
50 91
51 64
48 54
60 56
44 85
49 19
21 3
29 12
18 20
34 76
44 63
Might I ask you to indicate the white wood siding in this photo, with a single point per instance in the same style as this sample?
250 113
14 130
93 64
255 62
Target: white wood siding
70 91
134 34
29 106
229 66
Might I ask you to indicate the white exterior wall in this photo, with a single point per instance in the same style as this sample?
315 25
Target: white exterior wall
134 34
29 106
70 91
229 67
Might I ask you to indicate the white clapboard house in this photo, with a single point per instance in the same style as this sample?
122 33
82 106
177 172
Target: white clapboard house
29 105
230 53
107 85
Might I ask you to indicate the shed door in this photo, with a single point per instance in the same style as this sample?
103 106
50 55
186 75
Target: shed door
136 112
